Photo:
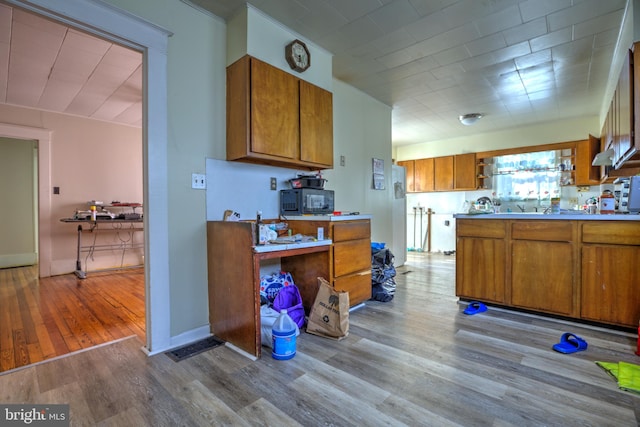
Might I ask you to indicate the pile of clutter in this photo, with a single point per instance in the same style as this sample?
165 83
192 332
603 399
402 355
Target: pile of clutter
279 292
383 273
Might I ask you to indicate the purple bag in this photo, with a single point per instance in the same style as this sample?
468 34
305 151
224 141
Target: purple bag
289 299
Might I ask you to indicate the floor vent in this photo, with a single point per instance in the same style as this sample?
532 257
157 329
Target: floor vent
192 349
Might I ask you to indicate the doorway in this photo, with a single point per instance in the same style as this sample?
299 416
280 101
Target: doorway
18 192
110 23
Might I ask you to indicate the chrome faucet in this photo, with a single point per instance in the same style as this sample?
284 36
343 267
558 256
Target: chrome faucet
521 207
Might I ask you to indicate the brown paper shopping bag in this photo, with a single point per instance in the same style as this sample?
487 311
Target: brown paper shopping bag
329 316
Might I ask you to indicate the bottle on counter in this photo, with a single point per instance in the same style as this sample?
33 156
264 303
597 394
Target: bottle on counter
258 222
555 205
607 203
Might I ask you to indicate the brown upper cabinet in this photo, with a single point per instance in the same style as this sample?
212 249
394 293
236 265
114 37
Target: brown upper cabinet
465 172
409 167
419 175
275 118
621 125
424 175
443 173
585 150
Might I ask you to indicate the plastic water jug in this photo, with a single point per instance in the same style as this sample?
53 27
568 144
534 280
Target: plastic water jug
283 337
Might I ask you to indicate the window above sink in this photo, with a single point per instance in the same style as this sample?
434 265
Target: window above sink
530 176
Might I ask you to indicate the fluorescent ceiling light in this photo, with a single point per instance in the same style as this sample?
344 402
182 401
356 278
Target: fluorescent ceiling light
469 119
604 159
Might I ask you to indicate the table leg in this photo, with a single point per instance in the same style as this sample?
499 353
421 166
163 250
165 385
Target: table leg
81 274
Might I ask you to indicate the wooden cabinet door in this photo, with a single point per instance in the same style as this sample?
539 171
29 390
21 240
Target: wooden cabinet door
275 127
611 284
585 152
424 175
409 166
465 172
316 125
549 289
480 269
351 257
443 173
624 113
358 286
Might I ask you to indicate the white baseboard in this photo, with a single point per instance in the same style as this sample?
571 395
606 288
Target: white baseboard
184 338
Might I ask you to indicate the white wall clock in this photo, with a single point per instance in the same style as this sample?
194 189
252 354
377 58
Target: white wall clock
297 55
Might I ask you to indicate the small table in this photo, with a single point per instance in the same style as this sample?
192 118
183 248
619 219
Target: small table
117 225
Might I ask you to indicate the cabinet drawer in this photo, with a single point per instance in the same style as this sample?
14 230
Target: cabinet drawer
351 230
611 232
358 286
351 257
492 228
550 231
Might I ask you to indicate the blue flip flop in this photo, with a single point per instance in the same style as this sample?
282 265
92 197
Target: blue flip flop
475 307
570 343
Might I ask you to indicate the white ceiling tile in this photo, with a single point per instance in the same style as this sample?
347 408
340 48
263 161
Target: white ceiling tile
610 21
551 39
532 9
394 15
486 44
354 9
581 12
502 20
526 31
5 23
430 59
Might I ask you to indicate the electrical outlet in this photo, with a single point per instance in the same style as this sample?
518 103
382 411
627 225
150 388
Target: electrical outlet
273 183
198 181
342 160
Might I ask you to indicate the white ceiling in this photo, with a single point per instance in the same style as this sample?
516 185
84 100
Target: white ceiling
518 62
47 66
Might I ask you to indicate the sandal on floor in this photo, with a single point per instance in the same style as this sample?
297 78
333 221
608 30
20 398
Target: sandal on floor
570 343
475 307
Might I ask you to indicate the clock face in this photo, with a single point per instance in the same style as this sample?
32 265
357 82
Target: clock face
297 55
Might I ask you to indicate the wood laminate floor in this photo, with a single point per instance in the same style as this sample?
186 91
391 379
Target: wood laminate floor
417 361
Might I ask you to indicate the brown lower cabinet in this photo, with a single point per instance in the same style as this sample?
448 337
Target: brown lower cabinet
481 259
611 273
234 272
578 269
350 254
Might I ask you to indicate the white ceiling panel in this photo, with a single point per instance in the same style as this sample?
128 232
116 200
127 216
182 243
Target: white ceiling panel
518 62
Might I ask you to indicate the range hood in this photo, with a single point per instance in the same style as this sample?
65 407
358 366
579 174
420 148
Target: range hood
604 159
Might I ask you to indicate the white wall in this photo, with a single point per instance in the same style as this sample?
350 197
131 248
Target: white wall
361 132
90 160
574 129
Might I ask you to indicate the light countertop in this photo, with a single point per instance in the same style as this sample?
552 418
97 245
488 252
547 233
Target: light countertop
328 217
273 247
568 215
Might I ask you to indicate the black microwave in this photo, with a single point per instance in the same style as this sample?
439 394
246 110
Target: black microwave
306 201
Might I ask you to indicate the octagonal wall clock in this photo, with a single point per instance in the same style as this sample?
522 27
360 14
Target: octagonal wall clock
297 55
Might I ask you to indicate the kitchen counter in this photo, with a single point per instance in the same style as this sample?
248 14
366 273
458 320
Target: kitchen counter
578 266
568 215
332 218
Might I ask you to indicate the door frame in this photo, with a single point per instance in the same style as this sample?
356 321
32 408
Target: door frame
112 23
43 213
